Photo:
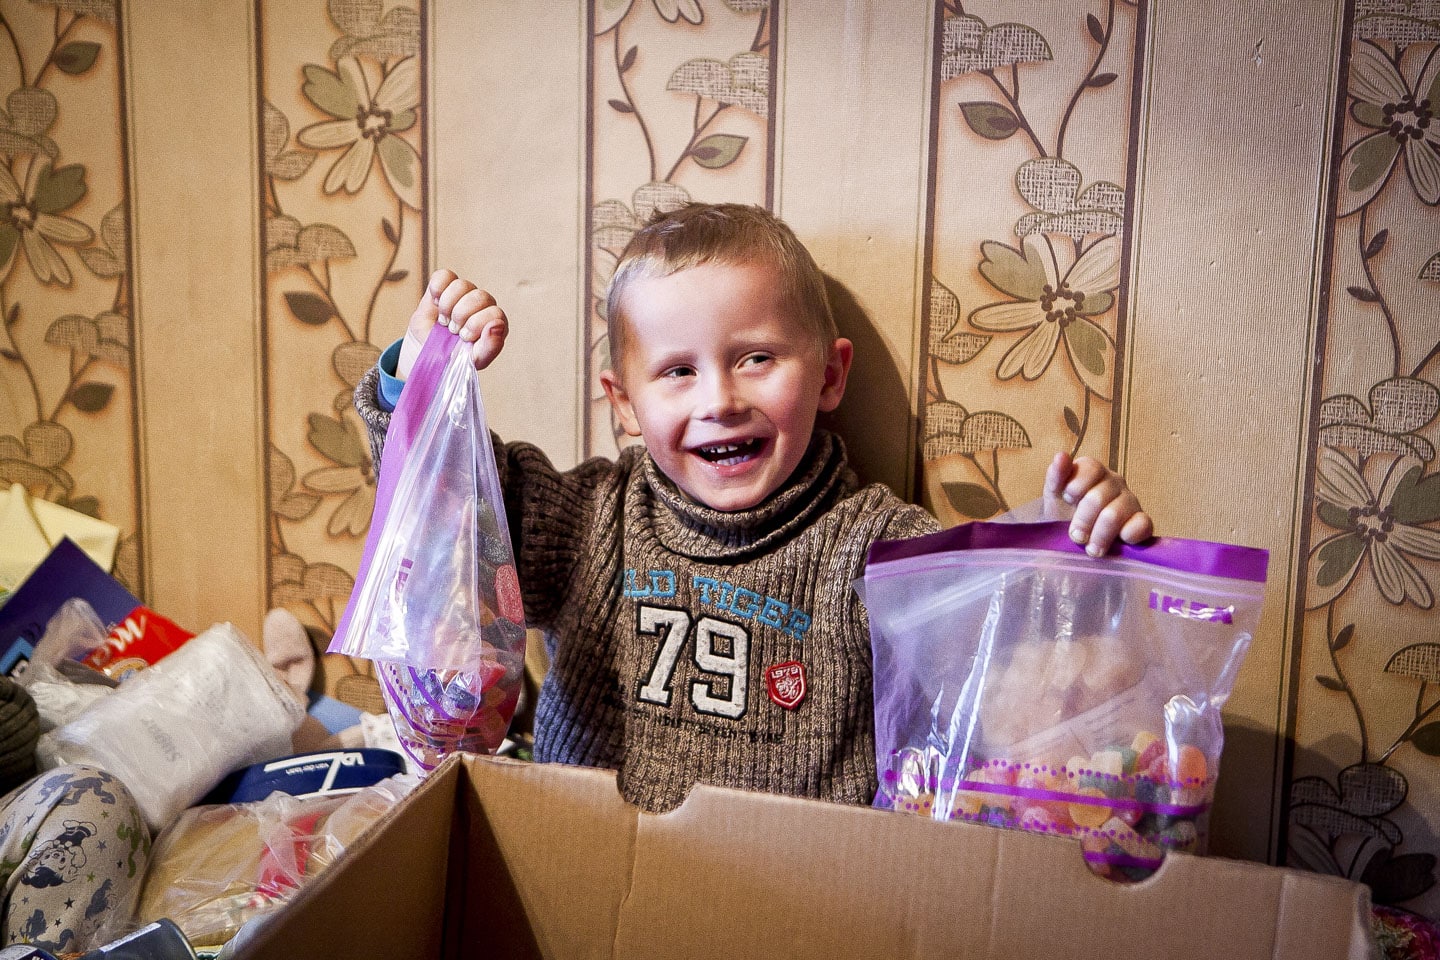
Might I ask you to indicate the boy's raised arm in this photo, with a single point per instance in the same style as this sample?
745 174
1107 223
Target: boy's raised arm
466 309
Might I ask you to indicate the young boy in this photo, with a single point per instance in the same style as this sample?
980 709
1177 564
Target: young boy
695 593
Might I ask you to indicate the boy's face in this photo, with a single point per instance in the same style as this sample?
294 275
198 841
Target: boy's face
721 382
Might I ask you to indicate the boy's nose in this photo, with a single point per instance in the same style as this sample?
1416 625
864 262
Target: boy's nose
720 399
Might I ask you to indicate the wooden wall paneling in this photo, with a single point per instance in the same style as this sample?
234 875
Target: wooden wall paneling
194 236
1224 285
851 153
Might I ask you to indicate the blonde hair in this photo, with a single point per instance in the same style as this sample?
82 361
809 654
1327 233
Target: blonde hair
725 233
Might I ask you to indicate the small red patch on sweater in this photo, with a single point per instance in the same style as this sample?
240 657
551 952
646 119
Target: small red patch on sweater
785 683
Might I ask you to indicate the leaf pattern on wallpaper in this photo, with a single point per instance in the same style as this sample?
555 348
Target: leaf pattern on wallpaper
1060 283
354 148
1375 523
54 270
1052 185
715 88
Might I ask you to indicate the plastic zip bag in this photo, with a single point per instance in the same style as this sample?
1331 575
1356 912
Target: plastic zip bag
436 602
1022 684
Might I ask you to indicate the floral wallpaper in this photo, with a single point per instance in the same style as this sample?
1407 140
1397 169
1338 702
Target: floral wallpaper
1018 268
680 108
67 390
1360 799
1023 323
343 188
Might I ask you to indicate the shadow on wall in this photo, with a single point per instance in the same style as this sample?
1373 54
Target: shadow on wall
1351 822
874 419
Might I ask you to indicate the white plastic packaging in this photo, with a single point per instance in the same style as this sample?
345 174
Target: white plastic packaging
173 731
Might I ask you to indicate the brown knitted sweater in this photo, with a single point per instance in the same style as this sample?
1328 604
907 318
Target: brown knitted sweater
664 618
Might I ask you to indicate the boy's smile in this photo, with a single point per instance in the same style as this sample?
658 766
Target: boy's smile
721 382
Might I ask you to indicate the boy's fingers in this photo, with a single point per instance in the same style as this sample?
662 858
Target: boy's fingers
1057 474
1086 476
427 311
472 311
439 280
1098 515
454 292
486 327
1138 528
424 317
491 342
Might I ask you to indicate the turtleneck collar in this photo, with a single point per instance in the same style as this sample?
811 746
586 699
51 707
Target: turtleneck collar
703 533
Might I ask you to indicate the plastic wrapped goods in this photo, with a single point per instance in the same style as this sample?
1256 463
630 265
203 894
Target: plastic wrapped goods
219 866
436 602
174 730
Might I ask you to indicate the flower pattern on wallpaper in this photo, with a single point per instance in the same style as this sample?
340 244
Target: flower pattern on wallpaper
48 302
353 149
1375 529
717 87
1055 289
1055 295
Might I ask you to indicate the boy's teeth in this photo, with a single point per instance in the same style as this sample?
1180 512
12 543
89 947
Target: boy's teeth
725 453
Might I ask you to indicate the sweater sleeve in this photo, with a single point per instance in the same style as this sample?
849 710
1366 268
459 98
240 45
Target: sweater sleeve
901 521
555 521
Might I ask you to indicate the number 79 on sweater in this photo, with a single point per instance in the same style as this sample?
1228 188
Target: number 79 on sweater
711 637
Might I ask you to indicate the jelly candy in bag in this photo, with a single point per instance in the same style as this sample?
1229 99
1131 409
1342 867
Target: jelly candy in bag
436 603
1022 684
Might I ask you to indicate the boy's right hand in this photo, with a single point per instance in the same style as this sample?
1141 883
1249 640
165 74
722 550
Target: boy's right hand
466 310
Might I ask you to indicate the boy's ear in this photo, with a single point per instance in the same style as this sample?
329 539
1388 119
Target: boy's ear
620 402
837 370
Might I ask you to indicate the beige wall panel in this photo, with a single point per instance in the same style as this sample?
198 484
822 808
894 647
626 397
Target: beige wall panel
851 149
1220 335
191 101
507 185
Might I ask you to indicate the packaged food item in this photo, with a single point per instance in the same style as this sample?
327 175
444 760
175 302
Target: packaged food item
174 730
220 865
436 602
1022 684
137 642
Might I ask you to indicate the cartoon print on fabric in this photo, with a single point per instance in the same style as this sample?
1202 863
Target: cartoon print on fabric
59 860
100 901
71 789
33 928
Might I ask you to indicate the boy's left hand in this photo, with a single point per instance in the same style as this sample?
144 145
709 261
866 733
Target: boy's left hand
1105 506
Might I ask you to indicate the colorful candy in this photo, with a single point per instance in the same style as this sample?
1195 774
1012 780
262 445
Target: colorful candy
1127 803
439 712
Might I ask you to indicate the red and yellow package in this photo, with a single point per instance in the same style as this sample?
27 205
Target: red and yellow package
137 642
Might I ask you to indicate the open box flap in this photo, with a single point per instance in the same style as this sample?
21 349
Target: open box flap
774 876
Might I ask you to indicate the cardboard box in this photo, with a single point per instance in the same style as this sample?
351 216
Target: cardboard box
496 858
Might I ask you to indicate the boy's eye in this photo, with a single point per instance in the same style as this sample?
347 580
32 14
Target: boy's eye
755 359
673 372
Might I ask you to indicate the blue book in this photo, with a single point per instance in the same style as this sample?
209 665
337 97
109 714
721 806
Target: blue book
65 573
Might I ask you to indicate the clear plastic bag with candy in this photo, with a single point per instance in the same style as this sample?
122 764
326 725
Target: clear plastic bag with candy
436 603
1022 684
